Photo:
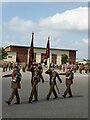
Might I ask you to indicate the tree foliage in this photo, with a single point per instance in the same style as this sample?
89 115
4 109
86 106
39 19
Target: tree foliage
3 53
64 58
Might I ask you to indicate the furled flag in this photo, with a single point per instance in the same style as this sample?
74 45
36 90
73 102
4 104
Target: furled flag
48 49
31 53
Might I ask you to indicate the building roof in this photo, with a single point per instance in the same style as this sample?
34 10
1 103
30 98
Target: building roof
39 48
11 51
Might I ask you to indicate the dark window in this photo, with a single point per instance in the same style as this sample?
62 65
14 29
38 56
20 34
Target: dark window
9 56
43 59
72 56
24 53
54 58
34 57
16 50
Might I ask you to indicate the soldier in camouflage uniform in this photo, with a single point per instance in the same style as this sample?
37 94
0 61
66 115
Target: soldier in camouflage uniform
4 66
86 68
15 84
80 68
53 74
89 67
69 82
36 75
40 72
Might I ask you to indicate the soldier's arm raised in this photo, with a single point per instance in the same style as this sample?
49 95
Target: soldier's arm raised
8 75
30 69
47 72
57 75
62 73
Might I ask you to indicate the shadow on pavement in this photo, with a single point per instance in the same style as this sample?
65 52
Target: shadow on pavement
76 96
51 99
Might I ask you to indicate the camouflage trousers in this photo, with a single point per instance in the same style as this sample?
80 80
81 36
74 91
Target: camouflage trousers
33 91
68 87
52 89
14 93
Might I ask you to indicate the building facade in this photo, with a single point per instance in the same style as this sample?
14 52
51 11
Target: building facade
21 53
11 56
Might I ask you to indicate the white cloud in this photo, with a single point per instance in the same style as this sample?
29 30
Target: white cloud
73 20
12 37
85 41
6 42
0 29
0 43
0 36
20 25
80 45
76 19
56 26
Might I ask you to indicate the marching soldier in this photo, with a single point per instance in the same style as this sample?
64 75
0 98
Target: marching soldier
31 69
89 67
24 67
40 72
34 81
12 65
15 84
53 74
9 66
4 66
86 68
74 68
80 68
69 81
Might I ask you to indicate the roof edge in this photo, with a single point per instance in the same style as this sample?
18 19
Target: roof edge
40 48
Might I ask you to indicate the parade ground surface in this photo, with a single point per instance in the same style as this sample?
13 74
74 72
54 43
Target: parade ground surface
75 107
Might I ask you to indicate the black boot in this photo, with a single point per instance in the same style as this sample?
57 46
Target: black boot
47 98
8 102
29 101
56 97
63 96
35 100
70 96
17 103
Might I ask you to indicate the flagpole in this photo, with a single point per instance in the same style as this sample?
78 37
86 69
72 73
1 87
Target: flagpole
49 63
49 53
31 52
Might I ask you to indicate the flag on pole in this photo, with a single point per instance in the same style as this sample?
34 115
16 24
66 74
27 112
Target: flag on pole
48 49
31 53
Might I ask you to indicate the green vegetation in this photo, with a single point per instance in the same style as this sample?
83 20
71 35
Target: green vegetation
3 53
64 58
0 53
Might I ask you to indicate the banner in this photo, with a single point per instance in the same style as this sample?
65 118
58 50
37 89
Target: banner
31 53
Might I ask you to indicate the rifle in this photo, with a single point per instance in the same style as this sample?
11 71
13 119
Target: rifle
8 75
57 89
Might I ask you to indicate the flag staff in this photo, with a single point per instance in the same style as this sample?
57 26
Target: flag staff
31 52
49 51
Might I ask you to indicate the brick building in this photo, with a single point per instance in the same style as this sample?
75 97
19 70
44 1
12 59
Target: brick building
21 53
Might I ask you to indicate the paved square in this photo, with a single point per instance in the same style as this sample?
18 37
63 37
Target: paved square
76 107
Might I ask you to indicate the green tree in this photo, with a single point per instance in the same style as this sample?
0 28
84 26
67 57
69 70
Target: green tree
64 58
0 53
3 54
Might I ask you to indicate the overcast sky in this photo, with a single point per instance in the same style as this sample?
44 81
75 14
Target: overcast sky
65 22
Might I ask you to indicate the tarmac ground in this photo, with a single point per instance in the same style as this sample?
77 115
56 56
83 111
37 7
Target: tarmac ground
75 107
